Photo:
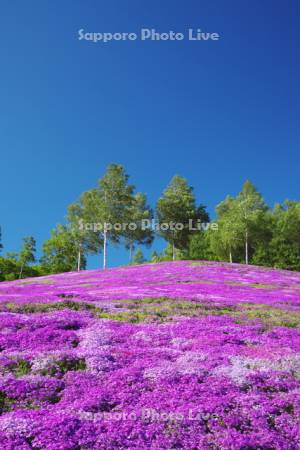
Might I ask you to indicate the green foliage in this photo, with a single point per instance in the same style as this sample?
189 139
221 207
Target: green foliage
65 365
85 241
36 308
138 213
138 257
177 205
155 257
114 199
109 204
285 243
167 255
27 253
10 268
60 252
229 239
242 225
248 231
273 236
199 246
22 368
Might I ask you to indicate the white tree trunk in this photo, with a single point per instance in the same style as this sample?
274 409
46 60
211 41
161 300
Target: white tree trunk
230 257
78 260
104 248
21 271
130 252
173 252
246 247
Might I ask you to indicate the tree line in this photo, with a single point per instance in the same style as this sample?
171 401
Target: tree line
246 230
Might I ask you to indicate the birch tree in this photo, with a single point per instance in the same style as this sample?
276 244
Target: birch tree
240 221
138 232
227 241
27 253
250 205
87 239
60 252
107 206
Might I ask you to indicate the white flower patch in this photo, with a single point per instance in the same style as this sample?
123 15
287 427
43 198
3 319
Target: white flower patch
240 367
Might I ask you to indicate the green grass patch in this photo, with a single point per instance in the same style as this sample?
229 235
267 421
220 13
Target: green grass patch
65 365
162 309
196 282
31 308
5 403
47 281
18 367
198 264
263 286
275 317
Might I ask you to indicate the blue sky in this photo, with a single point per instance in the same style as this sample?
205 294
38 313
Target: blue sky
214 112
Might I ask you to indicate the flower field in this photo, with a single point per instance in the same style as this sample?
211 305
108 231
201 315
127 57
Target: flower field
183 355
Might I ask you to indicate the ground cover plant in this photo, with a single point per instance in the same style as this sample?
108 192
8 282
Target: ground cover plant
183 355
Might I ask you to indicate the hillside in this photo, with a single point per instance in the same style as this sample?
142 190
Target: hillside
185 355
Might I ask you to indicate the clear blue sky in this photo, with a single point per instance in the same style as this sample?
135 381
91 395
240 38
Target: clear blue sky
214 112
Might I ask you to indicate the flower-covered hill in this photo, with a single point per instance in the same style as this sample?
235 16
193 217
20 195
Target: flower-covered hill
207 282
183 355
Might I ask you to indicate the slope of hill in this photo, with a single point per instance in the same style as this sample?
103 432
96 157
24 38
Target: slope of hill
185 355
